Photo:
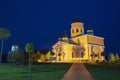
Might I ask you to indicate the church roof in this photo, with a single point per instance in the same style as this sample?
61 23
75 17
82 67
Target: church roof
76 20
71 41
77 35
68 41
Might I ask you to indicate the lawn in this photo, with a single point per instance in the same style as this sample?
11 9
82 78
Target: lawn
38 72
107 72
55 71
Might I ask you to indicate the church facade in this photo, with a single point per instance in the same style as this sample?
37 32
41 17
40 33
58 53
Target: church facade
79 46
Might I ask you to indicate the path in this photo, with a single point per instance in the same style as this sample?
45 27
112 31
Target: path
77 72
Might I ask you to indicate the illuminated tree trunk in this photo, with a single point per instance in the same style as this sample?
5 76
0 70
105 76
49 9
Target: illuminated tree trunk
29 48
29 64
1 50
4 33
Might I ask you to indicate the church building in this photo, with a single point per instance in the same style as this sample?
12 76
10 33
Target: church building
79 46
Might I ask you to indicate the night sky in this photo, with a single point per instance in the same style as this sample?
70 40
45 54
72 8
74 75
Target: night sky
43 21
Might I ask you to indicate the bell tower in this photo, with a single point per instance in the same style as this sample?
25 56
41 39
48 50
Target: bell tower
77 28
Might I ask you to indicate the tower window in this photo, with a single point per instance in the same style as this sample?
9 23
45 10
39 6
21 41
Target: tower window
77 30
72 30
81 30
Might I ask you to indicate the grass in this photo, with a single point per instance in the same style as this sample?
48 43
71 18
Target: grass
56 71
104 72
38 72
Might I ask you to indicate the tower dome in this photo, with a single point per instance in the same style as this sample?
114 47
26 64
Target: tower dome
76 20
90 31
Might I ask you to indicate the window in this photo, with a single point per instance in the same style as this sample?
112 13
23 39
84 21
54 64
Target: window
81 30
77 30
72 30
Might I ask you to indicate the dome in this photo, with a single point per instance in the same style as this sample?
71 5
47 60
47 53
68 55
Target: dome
90 31
76 20
89 28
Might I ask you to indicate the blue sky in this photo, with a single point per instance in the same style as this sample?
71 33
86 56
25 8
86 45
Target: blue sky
43 21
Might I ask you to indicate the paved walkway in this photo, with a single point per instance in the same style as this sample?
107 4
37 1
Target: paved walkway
77 72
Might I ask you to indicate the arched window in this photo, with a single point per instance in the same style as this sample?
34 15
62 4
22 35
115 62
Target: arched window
77 30
81 30
72 30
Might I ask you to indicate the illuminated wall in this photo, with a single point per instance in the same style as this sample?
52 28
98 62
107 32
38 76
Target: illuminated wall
95 40
93 45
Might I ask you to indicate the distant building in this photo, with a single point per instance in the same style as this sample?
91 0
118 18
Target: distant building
14 50
14 47
80 46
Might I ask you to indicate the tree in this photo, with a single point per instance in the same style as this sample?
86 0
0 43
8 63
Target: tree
47 56
20 57
103 54
12 57
43 56
111 57
16 57
35 56
52 53
116 57
4 33
51 58
29 48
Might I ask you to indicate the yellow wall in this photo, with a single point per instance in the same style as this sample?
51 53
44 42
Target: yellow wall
67 48
86 56
86 41
81 39
95 40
